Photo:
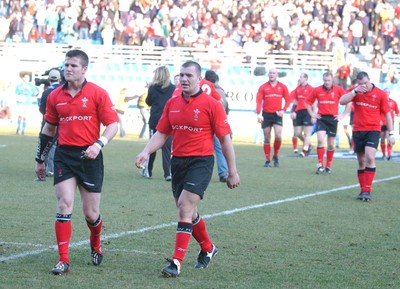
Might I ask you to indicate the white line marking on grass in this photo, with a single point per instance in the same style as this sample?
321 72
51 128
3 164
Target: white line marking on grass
162 226
21 244
132 251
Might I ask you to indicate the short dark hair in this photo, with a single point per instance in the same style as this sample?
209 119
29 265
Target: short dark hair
361 75
211 76
79 54
194 64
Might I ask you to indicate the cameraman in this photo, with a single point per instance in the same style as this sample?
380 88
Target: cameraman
54 81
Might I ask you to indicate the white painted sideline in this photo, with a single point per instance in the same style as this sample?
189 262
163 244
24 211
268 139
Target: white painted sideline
209 216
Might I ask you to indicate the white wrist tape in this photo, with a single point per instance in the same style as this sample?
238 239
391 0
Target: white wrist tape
98 145
104 140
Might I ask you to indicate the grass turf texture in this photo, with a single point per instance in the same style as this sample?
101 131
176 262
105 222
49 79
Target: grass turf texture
324 241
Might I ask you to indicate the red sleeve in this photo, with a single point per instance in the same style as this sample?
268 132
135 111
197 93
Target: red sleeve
259 99
220 123
286 96
51 115
106 113
312 97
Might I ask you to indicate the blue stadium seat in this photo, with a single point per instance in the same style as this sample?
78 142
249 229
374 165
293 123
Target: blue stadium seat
135 67
138 79
144 68
127 67
117 66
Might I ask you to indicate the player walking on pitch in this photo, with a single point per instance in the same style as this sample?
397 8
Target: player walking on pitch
192 119
78 108
369 103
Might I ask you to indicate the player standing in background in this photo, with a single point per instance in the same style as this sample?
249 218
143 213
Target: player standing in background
394 110
270 113
78 108
325 114
192 119
301 118
24 93
294 137
369 104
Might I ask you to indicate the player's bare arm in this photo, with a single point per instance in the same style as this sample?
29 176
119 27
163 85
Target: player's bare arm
93 151
389 124
154 144
233 180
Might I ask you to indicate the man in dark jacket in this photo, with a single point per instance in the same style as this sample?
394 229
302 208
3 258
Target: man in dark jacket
54 78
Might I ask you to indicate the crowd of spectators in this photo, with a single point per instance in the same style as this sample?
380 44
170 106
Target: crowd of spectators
270 24
260 25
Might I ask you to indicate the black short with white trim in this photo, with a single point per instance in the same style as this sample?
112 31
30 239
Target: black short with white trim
271 119
68 164
364 139
192 174
327 123
303 118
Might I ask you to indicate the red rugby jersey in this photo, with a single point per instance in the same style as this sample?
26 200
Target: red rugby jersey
207 86
328 100
300 93
269 98
394 110
193 124
79 118
368 108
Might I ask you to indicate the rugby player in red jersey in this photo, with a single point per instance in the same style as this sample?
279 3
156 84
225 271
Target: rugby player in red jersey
326 115
192 119
270 112
208 87
301 118
78 108
369 103
394 110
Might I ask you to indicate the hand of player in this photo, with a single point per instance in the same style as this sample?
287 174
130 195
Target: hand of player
260 118
316 116
361 88
391 140
280 113
140 160
339 117
233 181
40 170
91 152
293 115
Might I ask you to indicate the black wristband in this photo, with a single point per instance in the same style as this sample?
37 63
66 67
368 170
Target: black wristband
100 143
44 145
293 107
